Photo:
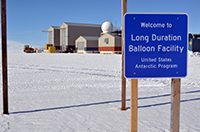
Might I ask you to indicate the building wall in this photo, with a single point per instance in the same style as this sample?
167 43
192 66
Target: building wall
63 26
89 45
118 41
92 45
50 35
56 39
54 36
113 43
80 39
76 31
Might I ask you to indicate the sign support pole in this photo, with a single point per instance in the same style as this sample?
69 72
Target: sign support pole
134 105
4 57
123 81
175 105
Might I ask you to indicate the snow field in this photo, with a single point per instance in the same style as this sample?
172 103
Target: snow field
82 93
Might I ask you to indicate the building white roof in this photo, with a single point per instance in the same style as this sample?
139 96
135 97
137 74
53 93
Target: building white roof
49 30
83 24
56 27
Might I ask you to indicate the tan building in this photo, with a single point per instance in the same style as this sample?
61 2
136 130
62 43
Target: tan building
54 36
110 41
109 44
87 44
69 32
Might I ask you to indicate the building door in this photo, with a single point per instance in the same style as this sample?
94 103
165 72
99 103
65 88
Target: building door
63 39
80 46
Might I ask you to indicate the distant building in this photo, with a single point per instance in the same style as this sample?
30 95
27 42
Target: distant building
109 44
87 44
85 38
194 42
110 41
54 36
69 32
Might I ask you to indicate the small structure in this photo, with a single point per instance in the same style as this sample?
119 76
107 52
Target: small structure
52 50
87 44
47 46
194 42
54 36
69 32
110 41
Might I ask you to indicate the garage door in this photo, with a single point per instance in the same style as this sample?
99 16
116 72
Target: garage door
80 45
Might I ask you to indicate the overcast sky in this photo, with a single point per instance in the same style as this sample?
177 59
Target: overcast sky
27 18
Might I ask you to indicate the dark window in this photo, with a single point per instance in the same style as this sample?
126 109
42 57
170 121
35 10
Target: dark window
106 40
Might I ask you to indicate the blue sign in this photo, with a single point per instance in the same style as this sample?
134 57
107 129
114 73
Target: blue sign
155 45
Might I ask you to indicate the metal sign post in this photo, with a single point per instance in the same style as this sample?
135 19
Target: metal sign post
4 57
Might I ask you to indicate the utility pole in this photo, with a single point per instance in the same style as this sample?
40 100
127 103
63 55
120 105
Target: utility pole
123 81
4 57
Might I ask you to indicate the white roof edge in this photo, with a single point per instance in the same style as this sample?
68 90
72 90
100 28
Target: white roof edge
56 27
90 37
83 24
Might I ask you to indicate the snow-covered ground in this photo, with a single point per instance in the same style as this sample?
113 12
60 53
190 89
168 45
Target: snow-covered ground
82 93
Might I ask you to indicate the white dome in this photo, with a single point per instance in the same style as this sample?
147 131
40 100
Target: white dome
107 27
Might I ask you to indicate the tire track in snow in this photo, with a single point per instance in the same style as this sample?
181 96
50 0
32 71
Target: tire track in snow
85 71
